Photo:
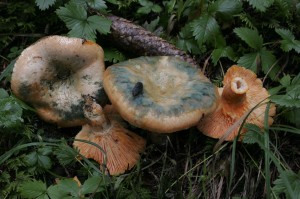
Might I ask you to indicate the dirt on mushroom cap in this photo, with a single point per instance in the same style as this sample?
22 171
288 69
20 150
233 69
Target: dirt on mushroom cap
53 73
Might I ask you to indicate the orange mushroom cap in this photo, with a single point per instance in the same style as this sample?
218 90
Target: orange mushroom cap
121 148
241 92
161 94
53 74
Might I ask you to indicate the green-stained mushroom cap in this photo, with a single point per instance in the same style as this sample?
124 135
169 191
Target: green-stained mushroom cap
53 74
161 94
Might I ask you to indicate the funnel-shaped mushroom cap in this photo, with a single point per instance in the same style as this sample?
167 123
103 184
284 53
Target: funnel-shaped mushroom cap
121 148
160 94
54 73
242 91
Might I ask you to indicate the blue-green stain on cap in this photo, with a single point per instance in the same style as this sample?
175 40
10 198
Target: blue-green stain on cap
196 93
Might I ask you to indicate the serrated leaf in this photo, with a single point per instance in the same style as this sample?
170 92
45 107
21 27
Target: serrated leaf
285 80
143 10
287 178
31 158
249 61
113 55
72 14
261 5
80 25
145 3
97 4
10 112
251 37
69 186
286 101
289 42
36 158
54 192
222 52
156 8
253 134
263 58
44 161
204 28
93 184
33 189
66 154
285 34
228 7
267 62
44 4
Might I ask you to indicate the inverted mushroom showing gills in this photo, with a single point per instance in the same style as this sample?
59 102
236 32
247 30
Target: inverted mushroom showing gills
120 148
161 94
242 92
54 73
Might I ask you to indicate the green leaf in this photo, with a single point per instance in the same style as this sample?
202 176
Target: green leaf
261 5
292 96
97 4
10 112
80 25
143 10
263 58
145 3
55 192
204 28
227 7
251 37
3 93
39 158
44 4
44 162
186 40
156 8
285 80
253 134
114 55
280 185
65 154
72 14
93 184
6 73
249 61
286 100
69 186
222 52
267 62
289 42
292 116
99 23
33 189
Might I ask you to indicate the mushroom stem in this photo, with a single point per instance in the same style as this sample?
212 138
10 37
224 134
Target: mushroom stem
95 114
235 92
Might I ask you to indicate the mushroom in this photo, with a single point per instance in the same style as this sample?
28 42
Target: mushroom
241 93
120 148
54 73
161 94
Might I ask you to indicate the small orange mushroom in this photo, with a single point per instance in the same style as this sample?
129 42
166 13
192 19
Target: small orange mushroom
242 91
121 148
